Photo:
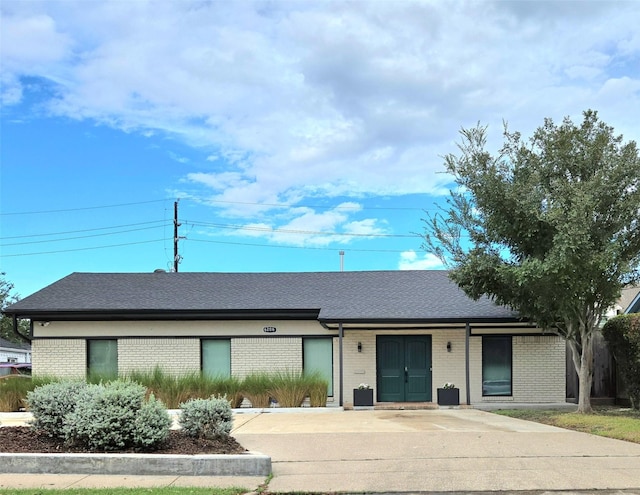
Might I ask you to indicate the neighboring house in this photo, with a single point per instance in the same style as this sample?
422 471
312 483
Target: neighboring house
405 333
629 298
10 352
634 305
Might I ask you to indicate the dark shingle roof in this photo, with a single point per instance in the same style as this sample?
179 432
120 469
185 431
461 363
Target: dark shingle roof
12 345
425 295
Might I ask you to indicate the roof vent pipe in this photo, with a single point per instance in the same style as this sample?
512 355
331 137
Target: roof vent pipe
341 261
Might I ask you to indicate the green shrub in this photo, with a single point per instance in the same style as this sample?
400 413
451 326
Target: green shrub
112 416
206 418
622 334
50 405
152 425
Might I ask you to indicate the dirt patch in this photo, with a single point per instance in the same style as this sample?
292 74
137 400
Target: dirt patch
26 440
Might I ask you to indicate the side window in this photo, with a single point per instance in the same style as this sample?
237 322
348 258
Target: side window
102 357
496 365
317 355
216 357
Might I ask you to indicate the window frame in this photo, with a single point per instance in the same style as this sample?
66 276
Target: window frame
202 354
88 351
331 389
486 340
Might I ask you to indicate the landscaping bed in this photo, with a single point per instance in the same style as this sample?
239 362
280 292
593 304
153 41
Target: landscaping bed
25 440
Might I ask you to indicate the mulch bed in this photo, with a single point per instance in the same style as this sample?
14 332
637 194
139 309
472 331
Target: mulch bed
25 440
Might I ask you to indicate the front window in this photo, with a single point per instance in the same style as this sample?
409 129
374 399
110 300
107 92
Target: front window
317 356
102 358
216 357
496 366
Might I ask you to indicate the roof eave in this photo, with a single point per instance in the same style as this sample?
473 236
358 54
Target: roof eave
156 314
425 321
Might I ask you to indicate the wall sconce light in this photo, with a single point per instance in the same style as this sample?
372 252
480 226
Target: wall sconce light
359 346
448 346
45 323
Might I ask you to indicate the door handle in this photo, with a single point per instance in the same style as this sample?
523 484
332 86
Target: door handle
406 374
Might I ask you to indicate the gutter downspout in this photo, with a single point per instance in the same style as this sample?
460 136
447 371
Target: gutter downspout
15 329
341 365
466 359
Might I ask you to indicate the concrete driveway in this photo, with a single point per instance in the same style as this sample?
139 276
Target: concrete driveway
453 450
433 450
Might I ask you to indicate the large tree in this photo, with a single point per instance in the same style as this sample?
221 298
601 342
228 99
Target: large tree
549 226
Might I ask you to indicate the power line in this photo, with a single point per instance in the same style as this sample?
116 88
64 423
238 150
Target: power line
163 222
210 202
80 236
300 247
80 249
82 208
256 228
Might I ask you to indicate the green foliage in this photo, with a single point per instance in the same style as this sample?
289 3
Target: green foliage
206 418
50 405
7 297
622 334
548 227
173 389
113 416
152 424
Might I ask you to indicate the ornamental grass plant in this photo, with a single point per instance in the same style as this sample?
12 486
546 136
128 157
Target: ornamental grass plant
256 388
318 389
289 388
14 390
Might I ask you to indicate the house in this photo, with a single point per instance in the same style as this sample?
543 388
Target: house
405 333
634 305
10 352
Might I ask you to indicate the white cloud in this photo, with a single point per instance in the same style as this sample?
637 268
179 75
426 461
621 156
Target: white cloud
410 260
293 101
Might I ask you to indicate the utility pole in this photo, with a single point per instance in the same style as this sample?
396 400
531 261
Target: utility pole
176 256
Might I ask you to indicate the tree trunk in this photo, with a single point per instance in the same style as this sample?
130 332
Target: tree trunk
585 373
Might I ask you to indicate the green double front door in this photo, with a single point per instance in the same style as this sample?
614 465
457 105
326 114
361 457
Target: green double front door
404 368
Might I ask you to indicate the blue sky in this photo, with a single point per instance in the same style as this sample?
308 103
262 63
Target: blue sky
289 131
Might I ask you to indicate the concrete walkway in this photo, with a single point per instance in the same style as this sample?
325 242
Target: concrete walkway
453 450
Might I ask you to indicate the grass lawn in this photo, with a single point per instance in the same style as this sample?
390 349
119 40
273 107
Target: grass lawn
127 491
612 422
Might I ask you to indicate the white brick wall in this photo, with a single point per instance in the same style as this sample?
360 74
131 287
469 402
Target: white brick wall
539 373
538 370
538 361
175 356
63 358
265 354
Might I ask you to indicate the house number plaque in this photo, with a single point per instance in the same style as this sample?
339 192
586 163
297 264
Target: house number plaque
269 329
